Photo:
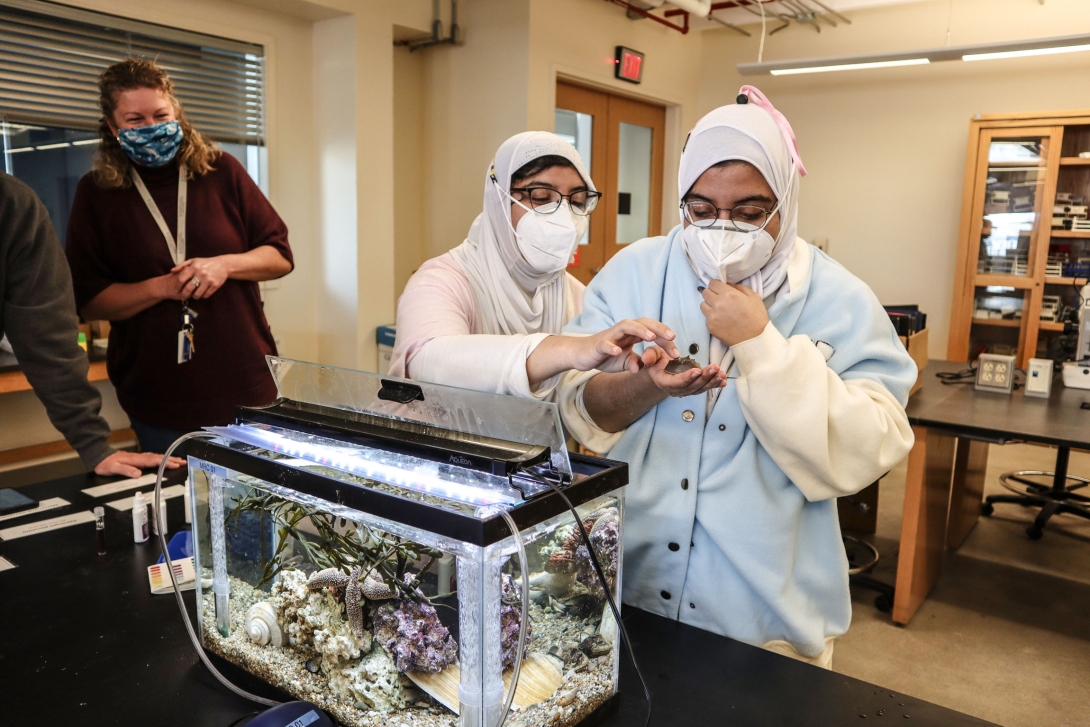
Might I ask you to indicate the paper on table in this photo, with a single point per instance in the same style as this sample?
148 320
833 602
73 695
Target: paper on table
6 564
51 504
43 526
184 573
125 503
119 486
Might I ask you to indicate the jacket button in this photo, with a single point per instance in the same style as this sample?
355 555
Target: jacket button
692 605
685 484
687 415
694 349
666 595
722 427
674 547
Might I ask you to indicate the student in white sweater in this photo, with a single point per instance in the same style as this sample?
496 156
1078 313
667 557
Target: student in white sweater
797 398
488 314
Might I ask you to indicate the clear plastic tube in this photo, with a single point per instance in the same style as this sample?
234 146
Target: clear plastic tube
174 581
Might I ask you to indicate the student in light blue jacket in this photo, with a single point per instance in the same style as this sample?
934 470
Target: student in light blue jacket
796 397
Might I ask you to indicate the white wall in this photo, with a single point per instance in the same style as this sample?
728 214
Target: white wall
886 148
334 99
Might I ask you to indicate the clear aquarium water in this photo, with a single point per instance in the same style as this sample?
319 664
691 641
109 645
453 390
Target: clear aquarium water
380 582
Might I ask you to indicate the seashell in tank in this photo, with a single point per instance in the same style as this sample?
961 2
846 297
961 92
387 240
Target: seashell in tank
261 625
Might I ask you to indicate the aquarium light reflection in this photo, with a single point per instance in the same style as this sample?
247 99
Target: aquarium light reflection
420 478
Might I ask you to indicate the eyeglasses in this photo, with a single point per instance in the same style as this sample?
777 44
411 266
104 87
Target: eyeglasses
744 217
545 200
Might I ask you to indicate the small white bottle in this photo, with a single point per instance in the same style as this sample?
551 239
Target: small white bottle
139 518
158 517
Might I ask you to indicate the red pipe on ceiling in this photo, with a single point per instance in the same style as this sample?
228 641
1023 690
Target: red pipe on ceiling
683 29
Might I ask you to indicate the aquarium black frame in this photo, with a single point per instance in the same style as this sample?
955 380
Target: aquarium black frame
431 442
609 477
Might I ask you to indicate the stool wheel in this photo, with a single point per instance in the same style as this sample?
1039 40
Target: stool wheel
986 509
883 603
1034 532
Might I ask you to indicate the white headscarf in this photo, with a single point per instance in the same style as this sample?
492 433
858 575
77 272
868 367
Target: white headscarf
755 133
514 298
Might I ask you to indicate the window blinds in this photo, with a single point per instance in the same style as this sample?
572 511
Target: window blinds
51 56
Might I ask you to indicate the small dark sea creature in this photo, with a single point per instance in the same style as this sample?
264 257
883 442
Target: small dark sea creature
314 665
681 365
595 646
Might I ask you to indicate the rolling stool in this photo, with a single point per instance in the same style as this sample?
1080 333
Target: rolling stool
860 567
1055 495
862 558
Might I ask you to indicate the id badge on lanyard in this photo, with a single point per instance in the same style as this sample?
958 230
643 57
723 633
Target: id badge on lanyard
177 253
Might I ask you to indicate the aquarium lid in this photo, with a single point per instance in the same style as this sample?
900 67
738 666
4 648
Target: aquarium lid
484 432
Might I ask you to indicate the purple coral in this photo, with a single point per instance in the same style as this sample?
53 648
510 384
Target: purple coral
604 540
413 636
510 618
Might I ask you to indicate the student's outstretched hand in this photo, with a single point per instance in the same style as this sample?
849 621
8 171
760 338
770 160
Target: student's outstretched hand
611 350
687 383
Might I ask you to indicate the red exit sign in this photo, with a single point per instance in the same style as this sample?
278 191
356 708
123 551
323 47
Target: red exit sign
629 64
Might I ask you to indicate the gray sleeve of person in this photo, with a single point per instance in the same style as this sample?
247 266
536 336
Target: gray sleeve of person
38 314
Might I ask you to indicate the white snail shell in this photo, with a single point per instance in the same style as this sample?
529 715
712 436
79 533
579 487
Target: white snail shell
261 625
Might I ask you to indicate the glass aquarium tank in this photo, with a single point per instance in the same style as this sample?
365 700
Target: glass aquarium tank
352 552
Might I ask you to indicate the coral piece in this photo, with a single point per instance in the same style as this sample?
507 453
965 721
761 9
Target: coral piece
605 544
352 602
328 578
373 680
412 633
315 618
261 625
510 619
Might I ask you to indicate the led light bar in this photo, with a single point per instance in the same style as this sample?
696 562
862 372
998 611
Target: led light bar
1027 52
987 51
851 67
412 474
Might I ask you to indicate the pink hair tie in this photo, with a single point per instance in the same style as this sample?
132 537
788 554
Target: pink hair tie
758 99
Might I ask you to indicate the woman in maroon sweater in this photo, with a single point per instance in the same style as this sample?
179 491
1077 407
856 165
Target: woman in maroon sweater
189 336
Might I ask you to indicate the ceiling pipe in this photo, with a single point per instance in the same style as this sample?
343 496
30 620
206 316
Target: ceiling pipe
437 30
635 9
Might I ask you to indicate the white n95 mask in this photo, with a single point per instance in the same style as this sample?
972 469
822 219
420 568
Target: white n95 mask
548 241
722 252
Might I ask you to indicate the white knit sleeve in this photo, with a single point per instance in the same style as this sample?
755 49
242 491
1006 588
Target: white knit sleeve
831 436
574 414
495 364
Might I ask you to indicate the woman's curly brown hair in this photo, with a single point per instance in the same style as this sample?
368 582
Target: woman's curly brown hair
111 165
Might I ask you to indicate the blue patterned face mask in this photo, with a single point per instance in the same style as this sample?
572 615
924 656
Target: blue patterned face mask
151 146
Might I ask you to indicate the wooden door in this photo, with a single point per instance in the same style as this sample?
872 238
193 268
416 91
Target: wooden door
624 140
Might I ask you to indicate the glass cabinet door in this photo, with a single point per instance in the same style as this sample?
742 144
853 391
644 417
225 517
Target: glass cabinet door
1013 202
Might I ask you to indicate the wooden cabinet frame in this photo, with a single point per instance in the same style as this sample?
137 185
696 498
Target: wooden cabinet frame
1050 126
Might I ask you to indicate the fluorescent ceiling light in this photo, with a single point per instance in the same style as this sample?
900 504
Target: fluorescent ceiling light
1027 52
85 142
851 66
989 51
43 147
19 150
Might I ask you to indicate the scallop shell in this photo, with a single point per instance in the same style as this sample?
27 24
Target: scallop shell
261 625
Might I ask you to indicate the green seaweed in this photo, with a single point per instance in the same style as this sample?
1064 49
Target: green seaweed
386 556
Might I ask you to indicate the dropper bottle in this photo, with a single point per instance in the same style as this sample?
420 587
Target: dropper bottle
100 530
